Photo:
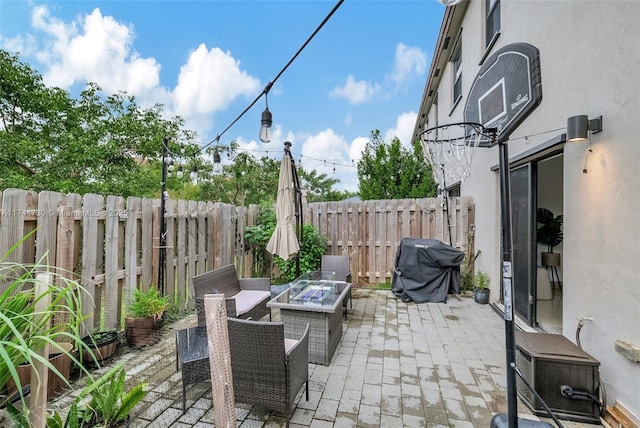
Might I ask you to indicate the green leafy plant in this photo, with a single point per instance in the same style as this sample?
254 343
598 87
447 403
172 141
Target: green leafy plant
27 309
109 404
468 266
176 310
313 247
148 303
481 280
466 280
257 238
311 250
550 231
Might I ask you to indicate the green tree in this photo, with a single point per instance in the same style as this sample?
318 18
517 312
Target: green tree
319 187
251 180
389 171
247 180
312 247
93 144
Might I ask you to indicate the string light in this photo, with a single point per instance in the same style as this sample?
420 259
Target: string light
266 90
353 162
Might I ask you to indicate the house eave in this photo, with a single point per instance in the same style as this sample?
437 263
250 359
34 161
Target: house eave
451 22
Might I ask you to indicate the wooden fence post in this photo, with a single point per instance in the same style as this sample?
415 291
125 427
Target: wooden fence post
39 370
220 361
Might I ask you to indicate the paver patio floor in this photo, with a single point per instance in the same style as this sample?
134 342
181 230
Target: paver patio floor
398 365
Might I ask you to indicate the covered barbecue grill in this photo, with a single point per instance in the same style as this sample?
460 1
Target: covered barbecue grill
426 270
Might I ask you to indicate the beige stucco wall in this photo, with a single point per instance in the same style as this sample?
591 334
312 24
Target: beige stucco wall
590 61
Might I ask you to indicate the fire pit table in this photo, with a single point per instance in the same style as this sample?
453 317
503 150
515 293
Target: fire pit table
314 298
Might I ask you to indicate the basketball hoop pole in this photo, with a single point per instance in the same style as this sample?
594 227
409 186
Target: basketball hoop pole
511 420
507 283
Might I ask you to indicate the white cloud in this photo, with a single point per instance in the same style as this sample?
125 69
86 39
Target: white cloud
357 147
326 148
98 48
356 92
93 48
403 130
210 81
408 61
348 119
25 45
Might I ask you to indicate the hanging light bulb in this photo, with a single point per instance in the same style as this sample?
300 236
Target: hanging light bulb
179 173
217 165
267 119
265 128
194 173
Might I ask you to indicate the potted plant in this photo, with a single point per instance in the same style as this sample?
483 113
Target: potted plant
60 361
481 290
143 323
108 407
549 233
101 345
27 310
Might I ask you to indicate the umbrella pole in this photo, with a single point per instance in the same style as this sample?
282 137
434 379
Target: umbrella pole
298 214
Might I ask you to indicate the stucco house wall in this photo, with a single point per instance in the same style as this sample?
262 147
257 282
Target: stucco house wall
590 63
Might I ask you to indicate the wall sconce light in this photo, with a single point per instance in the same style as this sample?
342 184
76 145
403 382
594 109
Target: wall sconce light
578 127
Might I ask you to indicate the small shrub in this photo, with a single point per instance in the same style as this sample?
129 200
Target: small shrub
148 303
481 280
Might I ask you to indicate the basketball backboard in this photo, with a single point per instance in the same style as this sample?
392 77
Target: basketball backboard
506 90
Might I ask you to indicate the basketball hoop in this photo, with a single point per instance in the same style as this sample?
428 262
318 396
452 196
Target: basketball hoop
449 149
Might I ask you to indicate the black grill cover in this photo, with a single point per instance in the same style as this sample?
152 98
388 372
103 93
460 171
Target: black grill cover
426 270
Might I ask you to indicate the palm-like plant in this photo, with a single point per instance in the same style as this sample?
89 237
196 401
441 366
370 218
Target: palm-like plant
27 312
550 231
109 404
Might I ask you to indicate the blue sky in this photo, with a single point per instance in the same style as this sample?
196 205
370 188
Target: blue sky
208 60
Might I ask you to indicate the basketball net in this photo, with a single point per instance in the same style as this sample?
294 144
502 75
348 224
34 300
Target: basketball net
449 150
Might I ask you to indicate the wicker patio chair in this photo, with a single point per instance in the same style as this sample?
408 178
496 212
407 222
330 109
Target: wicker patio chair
225 281
268 368
339 265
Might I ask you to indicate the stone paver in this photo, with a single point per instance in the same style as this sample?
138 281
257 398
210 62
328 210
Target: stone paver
399 364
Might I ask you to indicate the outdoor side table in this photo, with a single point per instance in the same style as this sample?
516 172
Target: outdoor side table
315 299
192 352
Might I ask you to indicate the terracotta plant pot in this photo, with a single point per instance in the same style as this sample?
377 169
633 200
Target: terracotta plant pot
101 345
142 331
55 384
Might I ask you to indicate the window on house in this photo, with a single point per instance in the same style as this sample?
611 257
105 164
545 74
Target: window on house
454 191
457 74
493 20
435 110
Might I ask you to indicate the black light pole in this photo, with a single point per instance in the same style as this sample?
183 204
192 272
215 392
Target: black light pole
163 224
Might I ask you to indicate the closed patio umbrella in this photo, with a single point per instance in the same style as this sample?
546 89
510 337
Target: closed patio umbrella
284 241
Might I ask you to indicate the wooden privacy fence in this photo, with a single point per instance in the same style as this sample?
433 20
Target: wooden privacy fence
370 231
111 245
